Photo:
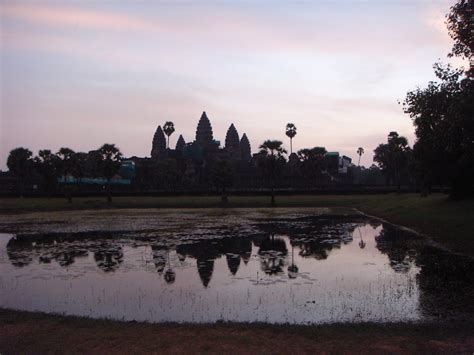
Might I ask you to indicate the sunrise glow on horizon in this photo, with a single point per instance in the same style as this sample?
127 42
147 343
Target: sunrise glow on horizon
79 74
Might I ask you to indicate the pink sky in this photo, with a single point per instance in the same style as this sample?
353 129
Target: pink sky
79 74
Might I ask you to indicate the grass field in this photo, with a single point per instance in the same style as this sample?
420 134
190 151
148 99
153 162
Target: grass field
448 222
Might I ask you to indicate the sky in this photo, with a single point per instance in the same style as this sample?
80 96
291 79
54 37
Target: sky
79 74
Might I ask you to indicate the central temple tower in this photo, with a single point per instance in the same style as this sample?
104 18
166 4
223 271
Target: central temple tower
204 136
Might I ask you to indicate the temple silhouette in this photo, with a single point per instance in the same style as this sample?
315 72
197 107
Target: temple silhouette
202 166
191 165
204 147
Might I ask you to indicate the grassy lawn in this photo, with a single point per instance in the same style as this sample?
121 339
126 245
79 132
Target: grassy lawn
24 333
448 222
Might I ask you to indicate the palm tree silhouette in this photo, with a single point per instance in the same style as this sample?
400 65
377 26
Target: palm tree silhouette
272 151
291 132
170 274
168 128
361 243
292 269
360 151
111 158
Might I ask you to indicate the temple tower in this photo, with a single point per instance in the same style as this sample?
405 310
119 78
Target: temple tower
180 144
232 143
204 135
245 151
159 143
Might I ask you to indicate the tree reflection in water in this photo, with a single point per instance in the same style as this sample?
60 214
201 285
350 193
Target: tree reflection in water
272 254
170 274
362 244
444 281
292 269
158 253
108 257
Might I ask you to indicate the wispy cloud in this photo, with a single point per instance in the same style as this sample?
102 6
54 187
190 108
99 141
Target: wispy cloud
51 16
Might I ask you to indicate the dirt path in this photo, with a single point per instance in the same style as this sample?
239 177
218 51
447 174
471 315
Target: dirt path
22 332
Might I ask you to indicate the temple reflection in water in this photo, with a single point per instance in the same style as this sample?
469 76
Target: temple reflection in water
268 253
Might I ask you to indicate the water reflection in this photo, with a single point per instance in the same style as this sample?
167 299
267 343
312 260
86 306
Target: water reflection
308 265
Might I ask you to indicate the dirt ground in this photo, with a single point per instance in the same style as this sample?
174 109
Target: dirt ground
26 333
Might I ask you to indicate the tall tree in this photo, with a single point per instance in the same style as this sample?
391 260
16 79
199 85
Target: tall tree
47 166
111 158
272 153
443 116
80 166
168 128
392 157
312 162
291 133
360 151
20 164
66 165
460 25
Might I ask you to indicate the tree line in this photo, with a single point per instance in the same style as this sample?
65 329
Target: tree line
103 162
442 155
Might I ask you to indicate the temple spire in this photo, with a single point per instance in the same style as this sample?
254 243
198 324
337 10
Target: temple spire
232 142
204 134
180 143
245 151
159 143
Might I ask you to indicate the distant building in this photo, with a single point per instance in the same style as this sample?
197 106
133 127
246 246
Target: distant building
338 163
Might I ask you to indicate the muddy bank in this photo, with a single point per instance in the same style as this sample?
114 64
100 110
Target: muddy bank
24 332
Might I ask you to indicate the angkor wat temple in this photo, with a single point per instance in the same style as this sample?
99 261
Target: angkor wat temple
201 165
191 164
204 147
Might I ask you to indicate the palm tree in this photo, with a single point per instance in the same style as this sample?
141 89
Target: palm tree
111 158
272 151
168 128
360 151
291 132
66 163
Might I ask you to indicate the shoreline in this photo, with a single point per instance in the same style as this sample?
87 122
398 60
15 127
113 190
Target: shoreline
27 332
442 220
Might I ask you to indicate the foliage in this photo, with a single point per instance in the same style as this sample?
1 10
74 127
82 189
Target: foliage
271 158
290 131
443 115
371 176
313 162
168 128
46 164
360 152
20 163
460 27
111 158
393 157
66 159
80 165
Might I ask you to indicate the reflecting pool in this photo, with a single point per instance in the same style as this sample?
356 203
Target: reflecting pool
278 266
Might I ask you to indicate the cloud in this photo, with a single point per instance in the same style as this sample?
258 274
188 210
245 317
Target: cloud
234 28
52 16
